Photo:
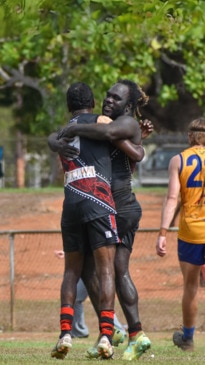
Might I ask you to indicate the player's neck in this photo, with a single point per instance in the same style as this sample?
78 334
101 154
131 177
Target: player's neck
82 111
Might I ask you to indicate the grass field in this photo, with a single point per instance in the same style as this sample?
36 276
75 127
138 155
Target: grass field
36 350
32 348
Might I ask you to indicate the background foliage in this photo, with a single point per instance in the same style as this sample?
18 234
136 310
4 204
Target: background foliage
46 45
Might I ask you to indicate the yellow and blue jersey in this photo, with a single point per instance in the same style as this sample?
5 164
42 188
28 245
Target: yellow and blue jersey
192 180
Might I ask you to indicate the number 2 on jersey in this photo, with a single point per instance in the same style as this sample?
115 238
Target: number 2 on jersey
191 182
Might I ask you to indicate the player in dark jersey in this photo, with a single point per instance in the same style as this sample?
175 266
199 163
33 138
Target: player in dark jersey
121 104
87 223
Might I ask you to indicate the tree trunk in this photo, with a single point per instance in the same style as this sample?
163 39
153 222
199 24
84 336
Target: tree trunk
20 162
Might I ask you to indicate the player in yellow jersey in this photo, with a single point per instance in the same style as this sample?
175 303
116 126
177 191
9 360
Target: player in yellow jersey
187 177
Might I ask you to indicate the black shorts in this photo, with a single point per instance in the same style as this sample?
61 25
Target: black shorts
128 239
129 213
128 218
91 235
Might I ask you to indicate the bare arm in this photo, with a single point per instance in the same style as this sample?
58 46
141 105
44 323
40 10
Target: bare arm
53 143
133 151
124 127
61 146
171 199
170 204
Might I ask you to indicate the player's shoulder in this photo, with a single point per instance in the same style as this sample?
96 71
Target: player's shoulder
104 119
175 162
127 119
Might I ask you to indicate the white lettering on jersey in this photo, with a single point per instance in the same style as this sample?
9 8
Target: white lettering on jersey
84 172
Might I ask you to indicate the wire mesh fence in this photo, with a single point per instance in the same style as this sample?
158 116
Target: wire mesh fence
31 275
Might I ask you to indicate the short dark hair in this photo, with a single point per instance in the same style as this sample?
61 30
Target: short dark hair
79 96
137 96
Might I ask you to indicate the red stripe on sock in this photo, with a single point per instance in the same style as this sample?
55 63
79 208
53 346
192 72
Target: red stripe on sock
67 310
107 323
108 314
66 318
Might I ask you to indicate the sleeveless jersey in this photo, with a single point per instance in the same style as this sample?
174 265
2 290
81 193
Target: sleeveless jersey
87 179
128 208
192 179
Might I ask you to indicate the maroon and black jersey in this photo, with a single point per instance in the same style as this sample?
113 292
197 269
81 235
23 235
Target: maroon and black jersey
87 179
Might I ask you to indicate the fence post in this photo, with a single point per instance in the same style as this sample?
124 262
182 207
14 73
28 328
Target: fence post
12 275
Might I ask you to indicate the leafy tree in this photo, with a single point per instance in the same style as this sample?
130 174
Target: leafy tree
45 46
